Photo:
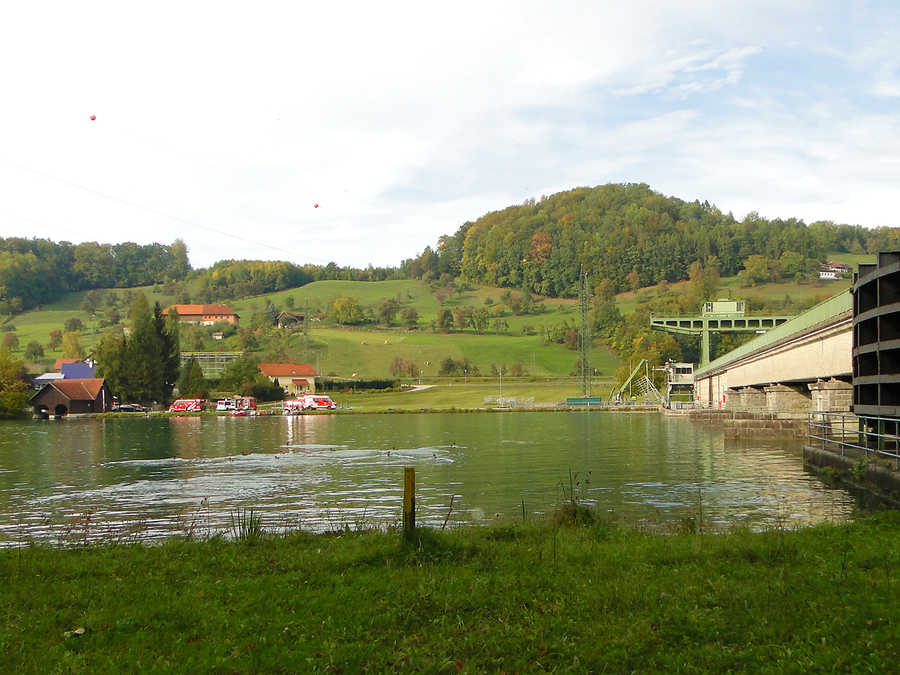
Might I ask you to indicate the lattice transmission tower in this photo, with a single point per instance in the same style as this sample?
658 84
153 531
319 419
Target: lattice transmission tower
584 334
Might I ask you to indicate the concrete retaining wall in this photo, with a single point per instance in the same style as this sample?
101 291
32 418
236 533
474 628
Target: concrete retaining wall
739 424
873 478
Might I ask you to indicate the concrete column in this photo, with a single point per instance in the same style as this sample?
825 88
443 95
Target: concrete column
782 398
753 398
831 395
734 399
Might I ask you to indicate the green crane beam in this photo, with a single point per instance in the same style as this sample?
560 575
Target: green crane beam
721 316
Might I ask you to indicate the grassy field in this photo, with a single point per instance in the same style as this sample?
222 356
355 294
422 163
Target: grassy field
798 294
369 352
534 597
37 324
319 294
449 393
805 294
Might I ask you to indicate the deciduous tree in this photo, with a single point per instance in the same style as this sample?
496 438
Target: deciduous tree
14 392
34 351
71 345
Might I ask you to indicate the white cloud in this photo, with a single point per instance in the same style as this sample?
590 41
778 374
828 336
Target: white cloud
224 123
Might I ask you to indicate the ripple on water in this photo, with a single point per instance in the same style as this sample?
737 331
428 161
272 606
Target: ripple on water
324 471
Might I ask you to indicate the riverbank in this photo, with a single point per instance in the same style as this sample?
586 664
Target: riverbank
528 597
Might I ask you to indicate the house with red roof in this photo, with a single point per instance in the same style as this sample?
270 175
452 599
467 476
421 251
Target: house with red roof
59 363
63 397
294 378
205 315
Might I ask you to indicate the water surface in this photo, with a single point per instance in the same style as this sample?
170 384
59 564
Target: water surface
106 478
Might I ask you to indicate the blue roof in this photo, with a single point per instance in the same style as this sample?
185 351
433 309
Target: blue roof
77 371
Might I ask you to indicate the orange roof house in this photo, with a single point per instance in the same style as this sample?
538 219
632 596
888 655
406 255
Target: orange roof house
205 315
294 378
58 364
61 397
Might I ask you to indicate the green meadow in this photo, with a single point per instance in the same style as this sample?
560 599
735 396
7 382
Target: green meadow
541 596
368 351
480 393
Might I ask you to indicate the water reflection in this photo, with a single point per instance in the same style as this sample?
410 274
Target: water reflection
321 472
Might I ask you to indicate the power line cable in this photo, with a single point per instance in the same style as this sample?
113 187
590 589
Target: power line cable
148 209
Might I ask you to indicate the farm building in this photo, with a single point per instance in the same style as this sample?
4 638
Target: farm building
205 315
63 397
290 319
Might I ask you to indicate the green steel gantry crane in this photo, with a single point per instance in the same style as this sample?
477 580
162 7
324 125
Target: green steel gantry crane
719 316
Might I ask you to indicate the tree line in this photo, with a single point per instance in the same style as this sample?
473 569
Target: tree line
37 271
624 234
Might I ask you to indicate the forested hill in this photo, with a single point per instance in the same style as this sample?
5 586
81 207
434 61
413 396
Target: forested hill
35 271
633 237
625 236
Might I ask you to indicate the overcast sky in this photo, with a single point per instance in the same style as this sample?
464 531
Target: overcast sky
224 124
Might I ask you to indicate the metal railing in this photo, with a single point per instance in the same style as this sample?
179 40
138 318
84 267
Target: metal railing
846 433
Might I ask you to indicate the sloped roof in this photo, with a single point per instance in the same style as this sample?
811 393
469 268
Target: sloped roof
198 310
81 390
77 371
286 369
59 363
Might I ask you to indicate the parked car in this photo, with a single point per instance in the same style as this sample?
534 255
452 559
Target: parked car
225 405
130 407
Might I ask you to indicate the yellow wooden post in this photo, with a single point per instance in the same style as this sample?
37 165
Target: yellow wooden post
409 501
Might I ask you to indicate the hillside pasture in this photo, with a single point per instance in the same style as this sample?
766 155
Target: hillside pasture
36 325
449 393
369 353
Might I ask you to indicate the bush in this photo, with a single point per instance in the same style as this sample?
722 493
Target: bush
341 385
267 391
462 367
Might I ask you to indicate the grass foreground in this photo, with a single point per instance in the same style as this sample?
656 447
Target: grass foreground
526 598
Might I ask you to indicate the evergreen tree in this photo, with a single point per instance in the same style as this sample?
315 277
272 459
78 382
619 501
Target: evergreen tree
168 329
192 384
151 352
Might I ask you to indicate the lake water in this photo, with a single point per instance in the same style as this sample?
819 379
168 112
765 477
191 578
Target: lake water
155 477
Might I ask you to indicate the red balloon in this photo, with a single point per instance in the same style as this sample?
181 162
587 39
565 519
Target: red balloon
316 205
93 117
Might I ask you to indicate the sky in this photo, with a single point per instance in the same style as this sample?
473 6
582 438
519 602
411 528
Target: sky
224 124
